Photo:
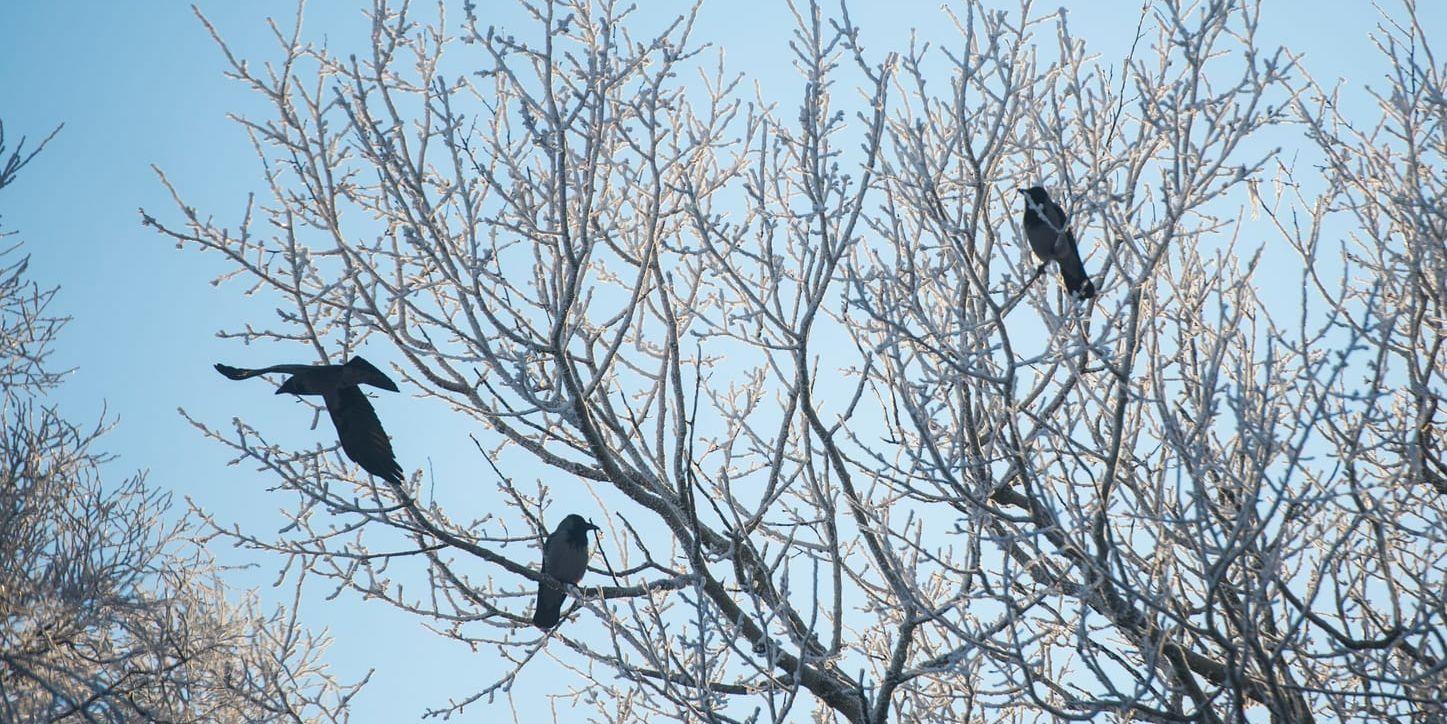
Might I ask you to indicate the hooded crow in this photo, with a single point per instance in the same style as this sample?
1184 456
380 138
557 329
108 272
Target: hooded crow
1050 237
565 557
360 432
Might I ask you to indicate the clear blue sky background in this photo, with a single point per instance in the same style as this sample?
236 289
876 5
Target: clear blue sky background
138 84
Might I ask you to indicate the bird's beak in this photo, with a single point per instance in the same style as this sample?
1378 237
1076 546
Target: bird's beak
1019 191
593 527
279 391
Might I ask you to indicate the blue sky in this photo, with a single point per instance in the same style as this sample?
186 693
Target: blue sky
138 84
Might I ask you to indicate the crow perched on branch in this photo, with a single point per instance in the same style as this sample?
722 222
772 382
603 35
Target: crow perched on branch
565 557
360 432
1050 237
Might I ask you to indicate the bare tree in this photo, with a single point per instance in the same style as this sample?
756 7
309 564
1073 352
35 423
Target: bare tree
110 608
857 457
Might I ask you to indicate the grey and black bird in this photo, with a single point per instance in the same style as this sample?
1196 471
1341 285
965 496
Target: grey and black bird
565 557
1052 240
360 432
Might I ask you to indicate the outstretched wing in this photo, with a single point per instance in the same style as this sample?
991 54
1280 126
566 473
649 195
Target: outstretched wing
361 433
242 373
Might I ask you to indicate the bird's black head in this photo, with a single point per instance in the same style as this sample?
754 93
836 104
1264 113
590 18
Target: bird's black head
575 530
575 522
1036 194
367 373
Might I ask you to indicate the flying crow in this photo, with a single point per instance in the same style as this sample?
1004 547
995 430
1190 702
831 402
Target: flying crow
361 433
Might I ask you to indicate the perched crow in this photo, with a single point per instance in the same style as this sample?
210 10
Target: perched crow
1049 233
363 439
565 557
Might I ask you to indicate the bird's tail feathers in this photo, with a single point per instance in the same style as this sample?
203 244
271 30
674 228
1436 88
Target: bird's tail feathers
550 606
394 475
1072 272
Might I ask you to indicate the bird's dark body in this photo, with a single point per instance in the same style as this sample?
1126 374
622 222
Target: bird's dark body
565 557
358 428
1050 237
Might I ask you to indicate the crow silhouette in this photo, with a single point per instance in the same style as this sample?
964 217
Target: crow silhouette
1050 237
565 557
360 432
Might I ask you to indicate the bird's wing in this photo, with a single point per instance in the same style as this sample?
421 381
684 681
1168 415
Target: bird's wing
1065 246
563 560
1055 216
361 433
243 373
1072 272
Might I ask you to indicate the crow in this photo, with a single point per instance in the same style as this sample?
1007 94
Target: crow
361 433
565 557
1050 237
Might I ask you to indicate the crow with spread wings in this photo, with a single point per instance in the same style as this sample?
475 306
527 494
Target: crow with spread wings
361 433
